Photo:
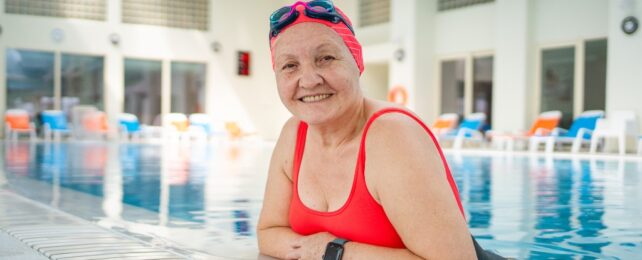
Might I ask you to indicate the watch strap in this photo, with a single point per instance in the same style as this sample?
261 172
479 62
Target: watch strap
340 241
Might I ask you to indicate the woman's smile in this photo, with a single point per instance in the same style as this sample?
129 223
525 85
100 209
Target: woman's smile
315 98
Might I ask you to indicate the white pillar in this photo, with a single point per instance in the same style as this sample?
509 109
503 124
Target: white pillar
425 89
511 80
402 35
3 77
412 31
114 89
624 80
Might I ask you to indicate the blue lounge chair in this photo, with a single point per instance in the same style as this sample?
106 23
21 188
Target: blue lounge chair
54 124
579 133
469 130
129 126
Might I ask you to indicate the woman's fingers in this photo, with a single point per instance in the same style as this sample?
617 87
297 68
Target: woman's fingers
294 254
296 243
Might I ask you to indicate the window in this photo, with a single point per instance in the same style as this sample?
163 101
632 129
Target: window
143 90
30 80
373 12
79 9
191 14
188 87
82 81
444 5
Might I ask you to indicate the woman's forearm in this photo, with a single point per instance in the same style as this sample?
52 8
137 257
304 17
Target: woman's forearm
355 250
275 241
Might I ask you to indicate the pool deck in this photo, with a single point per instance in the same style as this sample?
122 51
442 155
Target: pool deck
30 230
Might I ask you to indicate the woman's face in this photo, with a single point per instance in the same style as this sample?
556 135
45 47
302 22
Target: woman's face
316 75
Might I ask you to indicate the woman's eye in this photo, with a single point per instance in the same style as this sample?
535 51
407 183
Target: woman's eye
327 58
288 66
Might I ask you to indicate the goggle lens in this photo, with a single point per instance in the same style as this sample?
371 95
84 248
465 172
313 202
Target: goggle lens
320 6
280 15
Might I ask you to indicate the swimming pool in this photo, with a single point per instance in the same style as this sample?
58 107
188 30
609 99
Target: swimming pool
206 198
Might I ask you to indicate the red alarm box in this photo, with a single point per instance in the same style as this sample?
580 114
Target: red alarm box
244 63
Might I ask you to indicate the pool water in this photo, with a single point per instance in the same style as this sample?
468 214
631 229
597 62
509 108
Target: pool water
207 197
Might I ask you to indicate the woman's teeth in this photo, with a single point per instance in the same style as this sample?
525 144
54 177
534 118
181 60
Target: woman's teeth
315 98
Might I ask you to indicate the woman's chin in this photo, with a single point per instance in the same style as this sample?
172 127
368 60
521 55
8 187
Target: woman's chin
314 117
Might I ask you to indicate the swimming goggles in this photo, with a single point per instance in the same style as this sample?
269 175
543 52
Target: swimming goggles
317 9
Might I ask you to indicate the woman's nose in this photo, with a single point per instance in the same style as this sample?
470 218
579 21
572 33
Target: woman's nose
310 78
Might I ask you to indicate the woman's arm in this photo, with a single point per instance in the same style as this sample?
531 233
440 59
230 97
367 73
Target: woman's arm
273 230
405 173
313 247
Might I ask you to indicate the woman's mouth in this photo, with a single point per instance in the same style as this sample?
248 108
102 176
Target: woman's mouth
314 98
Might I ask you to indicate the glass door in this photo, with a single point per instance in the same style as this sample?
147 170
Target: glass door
467 86
573 79
557 82
483 87
595 74
188 88
453 86
143 90
30 80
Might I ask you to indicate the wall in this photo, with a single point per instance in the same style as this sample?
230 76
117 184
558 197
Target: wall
624 68
565 21
374 81
465 29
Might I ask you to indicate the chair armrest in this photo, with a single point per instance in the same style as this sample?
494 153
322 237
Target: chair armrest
464 131
587 131
631 128
558 131
542 131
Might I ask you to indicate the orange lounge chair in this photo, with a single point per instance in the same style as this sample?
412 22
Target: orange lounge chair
17 122
544 125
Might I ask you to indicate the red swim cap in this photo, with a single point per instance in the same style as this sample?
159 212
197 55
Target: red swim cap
340 28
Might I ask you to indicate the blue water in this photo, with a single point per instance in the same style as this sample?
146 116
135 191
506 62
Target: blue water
519 206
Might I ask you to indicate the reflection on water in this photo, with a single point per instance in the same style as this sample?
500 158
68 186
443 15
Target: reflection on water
210 195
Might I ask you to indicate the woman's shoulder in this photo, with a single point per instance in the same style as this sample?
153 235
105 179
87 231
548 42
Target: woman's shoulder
393 119
283 153
288 134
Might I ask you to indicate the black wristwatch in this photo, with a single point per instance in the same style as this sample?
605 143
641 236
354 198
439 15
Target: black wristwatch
334 249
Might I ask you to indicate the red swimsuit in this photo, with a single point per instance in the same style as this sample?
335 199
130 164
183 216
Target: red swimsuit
361 218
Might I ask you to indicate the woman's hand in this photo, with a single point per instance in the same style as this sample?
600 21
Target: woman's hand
310 247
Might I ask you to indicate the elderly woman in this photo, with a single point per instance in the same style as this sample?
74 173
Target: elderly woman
350 177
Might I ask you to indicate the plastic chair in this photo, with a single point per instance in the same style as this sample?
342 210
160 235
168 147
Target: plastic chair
544 125
200 126
175 126
620 125
95 124
579 133
469 130
445 123
129 126
54 124
17 122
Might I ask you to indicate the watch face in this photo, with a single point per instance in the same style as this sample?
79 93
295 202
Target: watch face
333 252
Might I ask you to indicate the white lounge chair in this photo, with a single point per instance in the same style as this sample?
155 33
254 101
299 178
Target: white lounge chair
621 125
